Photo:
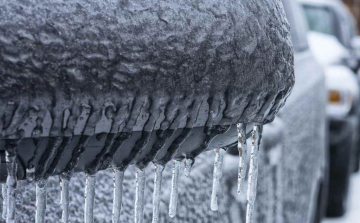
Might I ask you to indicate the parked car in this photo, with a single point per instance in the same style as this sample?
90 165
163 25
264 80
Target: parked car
330 40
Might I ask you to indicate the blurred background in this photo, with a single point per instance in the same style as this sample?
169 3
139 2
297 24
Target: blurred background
333 38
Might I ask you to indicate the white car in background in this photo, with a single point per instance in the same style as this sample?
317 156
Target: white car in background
334 44
341 82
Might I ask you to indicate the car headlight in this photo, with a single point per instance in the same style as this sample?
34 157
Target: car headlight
343 91
339 103
334 97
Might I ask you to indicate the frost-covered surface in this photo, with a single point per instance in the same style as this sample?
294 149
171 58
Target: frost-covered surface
63 54
303 156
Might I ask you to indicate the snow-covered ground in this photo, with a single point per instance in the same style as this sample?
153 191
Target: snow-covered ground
353 213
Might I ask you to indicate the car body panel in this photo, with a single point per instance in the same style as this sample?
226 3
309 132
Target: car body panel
304 144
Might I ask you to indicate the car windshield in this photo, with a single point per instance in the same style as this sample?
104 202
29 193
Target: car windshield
298 24
320 19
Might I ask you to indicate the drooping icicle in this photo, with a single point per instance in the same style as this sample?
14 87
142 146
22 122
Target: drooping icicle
11 183
219 155
174 188
157 190
253 173
4 204
139 195
30 174
89 198
118 190
40 201
64 199
188 165
242 147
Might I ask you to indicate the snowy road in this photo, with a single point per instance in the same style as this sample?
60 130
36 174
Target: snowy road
353 214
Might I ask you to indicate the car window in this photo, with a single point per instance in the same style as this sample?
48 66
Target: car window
335 20
298 24
320 19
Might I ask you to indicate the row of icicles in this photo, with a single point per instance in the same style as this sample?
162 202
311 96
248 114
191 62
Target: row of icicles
9 189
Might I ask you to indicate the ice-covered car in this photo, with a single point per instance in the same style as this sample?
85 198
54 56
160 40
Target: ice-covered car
88 85
330 39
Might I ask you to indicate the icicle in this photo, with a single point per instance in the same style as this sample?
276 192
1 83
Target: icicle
157 190
4 194
118 190
188 165
219 155
253 173
30 174
139 195
242 147
11 183
40 201
64 199
174 188
89 198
